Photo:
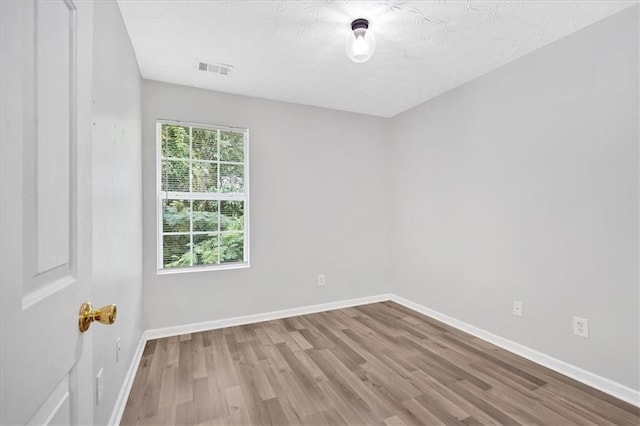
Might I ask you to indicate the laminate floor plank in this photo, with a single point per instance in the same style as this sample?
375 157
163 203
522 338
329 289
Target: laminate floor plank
304 380
133 410
351 413
238 414
376 350
342 390
448 398
419 411
376 364
151 396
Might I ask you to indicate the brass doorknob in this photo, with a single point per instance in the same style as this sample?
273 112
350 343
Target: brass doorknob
104 315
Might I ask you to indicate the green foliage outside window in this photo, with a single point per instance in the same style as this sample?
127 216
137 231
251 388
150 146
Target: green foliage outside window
207 231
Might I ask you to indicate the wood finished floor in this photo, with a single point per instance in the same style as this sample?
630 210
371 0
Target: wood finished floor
378 364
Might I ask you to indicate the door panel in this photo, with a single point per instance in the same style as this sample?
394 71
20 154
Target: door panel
55 141
56 410
46 215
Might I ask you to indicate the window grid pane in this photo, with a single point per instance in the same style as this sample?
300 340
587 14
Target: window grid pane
176 251
231 247
174 142
176 216
204 177
175 175
205 215
205 144
206 249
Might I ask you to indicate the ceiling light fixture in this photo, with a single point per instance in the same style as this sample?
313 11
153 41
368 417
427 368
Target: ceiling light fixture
360 43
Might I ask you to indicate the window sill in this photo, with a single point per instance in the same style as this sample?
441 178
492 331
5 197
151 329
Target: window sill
203 268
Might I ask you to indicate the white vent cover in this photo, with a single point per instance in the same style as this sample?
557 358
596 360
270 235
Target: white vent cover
222 69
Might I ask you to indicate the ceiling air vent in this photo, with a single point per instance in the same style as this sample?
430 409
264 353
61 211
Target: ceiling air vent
222 69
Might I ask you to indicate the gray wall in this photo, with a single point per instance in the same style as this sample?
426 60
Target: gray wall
523 185
318 181
117 207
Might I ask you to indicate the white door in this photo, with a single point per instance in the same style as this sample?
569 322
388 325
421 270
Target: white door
45 223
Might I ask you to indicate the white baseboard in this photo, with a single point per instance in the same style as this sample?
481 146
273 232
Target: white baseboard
268 316
605 385
123 396
595 381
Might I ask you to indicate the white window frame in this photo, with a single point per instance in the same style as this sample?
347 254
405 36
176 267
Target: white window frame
164 195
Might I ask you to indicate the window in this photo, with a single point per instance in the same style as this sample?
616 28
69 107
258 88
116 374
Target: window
203 197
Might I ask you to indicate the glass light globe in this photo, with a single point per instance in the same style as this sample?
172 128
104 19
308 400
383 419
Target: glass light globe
360 43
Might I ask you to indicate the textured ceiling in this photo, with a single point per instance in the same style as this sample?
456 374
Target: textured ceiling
294 50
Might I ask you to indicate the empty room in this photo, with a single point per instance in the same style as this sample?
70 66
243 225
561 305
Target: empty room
329 212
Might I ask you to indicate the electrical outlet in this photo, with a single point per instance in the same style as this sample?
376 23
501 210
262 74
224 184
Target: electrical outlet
99 386
517 308
581 327
320 279
118 348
